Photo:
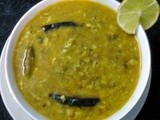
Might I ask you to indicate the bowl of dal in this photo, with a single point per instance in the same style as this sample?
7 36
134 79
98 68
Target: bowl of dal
70 58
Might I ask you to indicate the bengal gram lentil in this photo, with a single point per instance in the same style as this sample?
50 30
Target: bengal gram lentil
93 59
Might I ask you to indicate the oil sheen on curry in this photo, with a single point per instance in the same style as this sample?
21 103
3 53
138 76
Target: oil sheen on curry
73 62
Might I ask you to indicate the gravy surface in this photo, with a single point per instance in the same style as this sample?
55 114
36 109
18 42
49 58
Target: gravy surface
93 59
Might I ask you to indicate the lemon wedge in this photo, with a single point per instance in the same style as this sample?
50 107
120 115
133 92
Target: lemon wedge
131 13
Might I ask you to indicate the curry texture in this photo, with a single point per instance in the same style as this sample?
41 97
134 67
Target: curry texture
93 59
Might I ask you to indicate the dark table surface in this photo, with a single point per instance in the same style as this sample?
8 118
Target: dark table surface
12 10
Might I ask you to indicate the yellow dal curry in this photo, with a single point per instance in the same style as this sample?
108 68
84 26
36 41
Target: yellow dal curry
76 49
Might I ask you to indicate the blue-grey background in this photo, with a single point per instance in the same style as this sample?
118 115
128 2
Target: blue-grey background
12 10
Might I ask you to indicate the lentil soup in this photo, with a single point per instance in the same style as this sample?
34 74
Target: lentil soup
73 62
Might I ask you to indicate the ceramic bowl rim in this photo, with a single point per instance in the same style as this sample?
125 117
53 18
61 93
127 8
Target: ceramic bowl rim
143 79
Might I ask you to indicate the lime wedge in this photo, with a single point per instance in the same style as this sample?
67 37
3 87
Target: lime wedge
131 13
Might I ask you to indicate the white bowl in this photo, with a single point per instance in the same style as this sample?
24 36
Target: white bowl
144 73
